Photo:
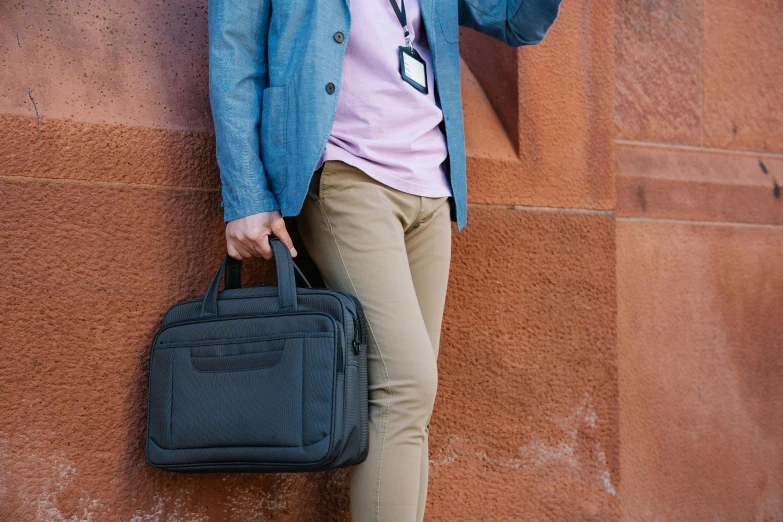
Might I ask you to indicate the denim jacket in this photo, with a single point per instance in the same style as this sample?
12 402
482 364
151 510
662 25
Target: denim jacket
274 79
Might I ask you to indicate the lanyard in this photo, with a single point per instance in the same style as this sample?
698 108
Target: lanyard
403 18
413 69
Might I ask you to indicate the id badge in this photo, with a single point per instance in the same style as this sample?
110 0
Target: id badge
413 69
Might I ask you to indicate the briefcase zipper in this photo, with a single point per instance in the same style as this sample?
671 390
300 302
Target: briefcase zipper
356 333
358 314
359 326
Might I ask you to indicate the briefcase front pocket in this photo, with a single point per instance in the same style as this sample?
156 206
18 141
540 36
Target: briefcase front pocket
244 382
238 355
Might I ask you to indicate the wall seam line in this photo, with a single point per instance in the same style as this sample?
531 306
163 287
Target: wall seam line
691 148
632 219
512 206
124 184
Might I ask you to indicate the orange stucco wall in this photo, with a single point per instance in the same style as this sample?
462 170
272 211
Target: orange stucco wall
620 274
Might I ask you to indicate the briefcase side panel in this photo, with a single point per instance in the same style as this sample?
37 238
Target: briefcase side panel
159 399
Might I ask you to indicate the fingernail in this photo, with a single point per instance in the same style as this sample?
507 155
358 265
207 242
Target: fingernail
293 252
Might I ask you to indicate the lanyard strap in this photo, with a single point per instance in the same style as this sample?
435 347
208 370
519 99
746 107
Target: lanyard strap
402 17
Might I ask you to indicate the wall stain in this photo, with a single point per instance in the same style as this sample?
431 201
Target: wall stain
37 119
640 197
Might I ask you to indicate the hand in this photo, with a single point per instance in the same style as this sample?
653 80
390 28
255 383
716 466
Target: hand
249 236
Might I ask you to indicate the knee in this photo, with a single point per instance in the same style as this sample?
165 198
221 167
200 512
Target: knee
428 388
418 388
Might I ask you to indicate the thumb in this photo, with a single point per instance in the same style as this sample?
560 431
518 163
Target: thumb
279 230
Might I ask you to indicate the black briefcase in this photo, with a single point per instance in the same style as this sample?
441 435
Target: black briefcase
264 379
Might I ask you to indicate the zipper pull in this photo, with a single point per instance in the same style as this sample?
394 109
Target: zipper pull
357 332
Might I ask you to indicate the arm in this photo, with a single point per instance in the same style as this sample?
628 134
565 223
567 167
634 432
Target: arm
237 78
514 22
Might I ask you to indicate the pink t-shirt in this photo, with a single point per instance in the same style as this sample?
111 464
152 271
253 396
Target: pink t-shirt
383 125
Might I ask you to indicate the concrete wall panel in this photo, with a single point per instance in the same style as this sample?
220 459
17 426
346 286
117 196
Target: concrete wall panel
130 63
658 70
566 115
700 323
710 185
525 423
743 64
65 149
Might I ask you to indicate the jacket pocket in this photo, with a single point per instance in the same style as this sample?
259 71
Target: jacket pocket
274 123
448 18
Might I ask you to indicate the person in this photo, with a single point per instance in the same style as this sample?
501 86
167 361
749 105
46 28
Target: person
346 116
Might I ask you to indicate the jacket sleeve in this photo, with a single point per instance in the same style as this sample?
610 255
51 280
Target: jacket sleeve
514 22
237 78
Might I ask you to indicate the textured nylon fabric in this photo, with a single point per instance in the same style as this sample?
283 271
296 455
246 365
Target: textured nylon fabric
256 388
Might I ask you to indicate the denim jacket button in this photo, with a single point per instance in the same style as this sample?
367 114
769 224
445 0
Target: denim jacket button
339 37
330 88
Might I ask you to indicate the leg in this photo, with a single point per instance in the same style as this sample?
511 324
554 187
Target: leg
353 227
429 257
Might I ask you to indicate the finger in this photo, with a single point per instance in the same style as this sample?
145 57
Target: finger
261 247
241 249
253 243
233 251
278 227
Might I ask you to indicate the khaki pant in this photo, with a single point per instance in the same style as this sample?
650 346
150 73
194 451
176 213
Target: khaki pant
392 250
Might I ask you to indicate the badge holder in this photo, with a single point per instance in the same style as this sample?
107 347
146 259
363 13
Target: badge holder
412 68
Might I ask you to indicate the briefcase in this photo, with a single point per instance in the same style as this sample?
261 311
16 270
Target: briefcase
261 379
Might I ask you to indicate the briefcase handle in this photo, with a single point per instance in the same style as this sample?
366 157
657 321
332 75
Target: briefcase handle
286 282
234 271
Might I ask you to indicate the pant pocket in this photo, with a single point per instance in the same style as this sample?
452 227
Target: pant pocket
314 190
326 171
